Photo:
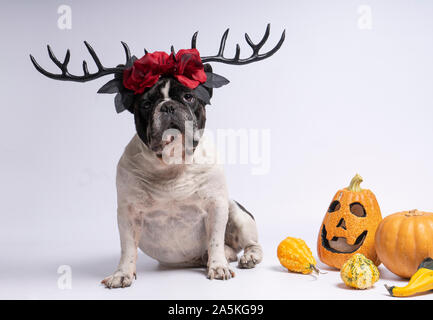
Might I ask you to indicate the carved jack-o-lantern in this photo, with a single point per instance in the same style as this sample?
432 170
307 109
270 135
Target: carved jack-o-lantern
349 226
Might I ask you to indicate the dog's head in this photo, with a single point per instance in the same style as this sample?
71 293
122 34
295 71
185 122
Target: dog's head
169 110
164 92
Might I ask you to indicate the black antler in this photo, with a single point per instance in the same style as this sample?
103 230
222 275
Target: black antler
66 76
255 56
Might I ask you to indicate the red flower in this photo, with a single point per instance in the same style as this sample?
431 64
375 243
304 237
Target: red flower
146 71
189 68
186 67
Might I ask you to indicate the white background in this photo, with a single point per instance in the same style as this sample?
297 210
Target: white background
337 99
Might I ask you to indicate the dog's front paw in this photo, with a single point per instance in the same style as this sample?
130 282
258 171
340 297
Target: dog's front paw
220 271
119 279
252 256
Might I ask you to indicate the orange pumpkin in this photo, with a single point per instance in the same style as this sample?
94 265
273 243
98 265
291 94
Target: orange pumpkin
349 226
404 240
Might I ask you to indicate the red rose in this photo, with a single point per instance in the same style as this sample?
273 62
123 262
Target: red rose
146 71
189 68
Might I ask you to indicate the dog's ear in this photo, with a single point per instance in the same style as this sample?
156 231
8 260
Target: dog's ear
208 68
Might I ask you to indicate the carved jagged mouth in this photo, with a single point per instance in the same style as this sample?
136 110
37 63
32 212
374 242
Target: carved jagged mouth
340 245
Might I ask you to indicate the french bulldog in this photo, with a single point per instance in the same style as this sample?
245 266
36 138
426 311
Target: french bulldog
178 213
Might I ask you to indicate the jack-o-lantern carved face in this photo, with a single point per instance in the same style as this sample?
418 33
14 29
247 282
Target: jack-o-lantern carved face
349 226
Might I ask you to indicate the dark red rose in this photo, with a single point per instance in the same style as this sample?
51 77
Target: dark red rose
189 68
146 71
186 67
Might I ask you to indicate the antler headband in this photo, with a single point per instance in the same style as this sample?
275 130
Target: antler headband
136 75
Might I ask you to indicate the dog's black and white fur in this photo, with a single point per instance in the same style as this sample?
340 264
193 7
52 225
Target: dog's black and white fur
178 214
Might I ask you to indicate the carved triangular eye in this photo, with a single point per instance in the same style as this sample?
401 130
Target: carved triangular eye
357 209
334 206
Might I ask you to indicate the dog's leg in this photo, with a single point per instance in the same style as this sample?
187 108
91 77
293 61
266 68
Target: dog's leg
130 225
216 221
241 233
230 253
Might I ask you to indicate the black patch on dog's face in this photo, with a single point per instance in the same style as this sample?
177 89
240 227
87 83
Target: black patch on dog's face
167 105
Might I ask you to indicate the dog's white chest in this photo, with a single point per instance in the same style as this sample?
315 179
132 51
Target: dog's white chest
174 232
168 204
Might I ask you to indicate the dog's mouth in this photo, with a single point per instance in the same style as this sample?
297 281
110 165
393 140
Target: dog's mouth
340 245
173 146
157 145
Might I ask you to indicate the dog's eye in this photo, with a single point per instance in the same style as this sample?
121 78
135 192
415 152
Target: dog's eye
188 97
145 104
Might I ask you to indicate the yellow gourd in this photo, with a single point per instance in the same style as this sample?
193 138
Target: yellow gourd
421 281
295 255
359 272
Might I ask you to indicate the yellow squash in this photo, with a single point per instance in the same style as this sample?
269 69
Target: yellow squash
359 272
295 255
421 281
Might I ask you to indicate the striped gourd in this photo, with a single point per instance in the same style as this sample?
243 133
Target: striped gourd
359 272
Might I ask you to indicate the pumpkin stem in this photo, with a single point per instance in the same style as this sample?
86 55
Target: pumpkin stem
389 289
355 184
315 269
414 212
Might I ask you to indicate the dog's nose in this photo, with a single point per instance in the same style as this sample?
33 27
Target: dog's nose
167 108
